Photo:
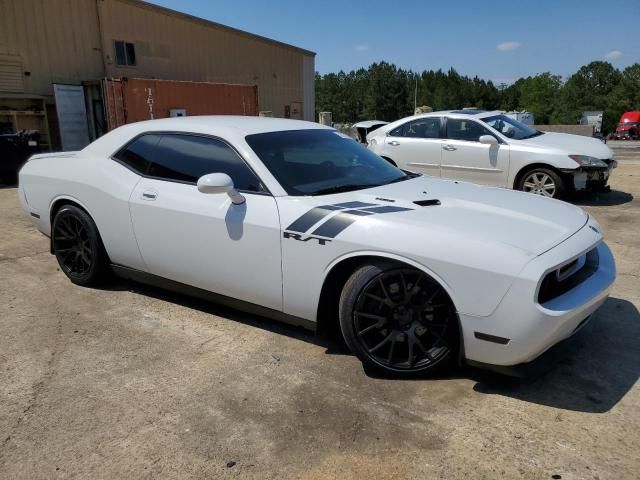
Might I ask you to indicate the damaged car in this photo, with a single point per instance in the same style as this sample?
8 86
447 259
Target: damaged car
490 148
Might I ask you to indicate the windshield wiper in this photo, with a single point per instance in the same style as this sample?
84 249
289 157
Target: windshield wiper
406 176
537 134
342 188
352 187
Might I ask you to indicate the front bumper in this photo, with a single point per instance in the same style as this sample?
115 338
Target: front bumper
596 179
536 367
521 329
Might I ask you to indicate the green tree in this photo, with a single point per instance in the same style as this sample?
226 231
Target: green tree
385 92
624 97
587 89
538 94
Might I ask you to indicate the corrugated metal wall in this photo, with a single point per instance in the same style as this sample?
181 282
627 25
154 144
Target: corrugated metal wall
70 41
170 46
134 100
55 41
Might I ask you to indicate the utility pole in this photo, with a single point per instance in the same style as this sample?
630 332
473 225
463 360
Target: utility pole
415 96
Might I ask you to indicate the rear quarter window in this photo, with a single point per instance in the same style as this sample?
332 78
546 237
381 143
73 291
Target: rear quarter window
139 154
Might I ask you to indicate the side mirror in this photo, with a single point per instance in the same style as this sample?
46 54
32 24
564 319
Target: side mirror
488 140
220 183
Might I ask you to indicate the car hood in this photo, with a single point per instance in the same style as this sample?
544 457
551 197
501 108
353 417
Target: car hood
528 222
571 144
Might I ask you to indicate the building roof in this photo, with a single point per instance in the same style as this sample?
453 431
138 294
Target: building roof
191 18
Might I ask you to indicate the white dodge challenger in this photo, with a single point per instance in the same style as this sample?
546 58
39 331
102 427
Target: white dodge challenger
294 221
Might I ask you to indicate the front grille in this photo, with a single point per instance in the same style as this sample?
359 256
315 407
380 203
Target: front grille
568 276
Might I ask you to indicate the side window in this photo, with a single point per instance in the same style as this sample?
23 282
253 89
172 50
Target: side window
139 154
463 129
186 158
421 128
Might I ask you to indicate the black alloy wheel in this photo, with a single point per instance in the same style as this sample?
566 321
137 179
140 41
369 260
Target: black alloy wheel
398 320
77 246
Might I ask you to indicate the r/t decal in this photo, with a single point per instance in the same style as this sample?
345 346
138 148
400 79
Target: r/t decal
300 238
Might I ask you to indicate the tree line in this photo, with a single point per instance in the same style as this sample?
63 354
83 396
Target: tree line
385 92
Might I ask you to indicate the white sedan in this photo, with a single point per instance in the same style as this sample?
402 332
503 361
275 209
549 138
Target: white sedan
295 221
490 148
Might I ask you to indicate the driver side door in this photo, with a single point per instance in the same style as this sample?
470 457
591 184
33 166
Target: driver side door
465 158
202 240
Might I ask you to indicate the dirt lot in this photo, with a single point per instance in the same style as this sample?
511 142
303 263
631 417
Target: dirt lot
134 382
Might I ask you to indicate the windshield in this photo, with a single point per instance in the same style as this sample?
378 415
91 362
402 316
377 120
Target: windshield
318 161
511 128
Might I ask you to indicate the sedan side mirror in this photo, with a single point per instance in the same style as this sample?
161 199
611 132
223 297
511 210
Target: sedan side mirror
488 140
220 183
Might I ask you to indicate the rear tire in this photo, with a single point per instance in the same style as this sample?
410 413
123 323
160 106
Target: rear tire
78 247
398 320
544 182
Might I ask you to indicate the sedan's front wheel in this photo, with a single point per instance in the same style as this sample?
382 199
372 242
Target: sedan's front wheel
398 320
542 181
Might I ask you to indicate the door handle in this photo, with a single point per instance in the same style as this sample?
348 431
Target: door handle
394 143
149 195
449 148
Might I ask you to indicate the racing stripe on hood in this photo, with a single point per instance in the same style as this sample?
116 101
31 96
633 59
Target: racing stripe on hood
347 214
332 227
313 216
309 219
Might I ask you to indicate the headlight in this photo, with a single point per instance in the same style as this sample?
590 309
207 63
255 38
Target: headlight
586 161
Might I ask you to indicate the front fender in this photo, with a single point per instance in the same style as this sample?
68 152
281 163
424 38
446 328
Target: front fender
395 257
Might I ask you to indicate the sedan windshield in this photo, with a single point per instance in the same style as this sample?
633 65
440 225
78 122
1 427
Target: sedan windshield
318 161
511 128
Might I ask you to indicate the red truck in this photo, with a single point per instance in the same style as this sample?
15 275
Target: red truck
628 127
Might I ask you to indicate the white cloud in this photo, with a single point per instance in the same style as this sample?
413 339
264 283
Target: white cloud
508 46
362 48
613 55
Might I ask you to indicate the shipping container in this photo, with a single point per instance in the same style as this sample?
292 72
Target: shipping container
129 100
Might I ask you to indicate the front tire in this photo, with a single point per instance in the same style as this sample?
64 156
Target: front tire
77 246
544 182
398 320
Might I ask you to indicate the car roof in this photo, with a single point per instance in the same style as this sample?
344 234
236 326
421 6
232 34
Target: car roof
242 124
475 113
230 127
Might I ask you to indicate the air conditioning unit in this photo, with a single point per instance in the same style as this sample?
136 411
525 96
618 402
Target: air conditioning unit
178 112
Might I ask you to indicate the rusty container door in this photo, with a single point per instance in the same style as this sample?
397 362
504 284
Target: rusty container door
135 100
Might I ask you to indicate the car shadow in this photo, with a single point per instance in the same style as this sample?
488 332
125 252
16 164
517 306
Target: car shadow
331 343
609 199
600 365
597 367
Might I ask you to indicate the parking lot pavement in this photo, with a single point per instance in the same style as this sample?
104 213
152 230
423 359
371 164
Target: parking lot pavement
134 382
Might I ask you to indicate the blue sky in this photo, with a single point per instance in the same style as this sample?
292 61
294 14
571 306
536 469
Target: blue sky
499 41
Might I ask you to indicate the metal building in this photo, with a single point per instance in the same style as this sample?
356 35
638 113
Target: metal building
55 53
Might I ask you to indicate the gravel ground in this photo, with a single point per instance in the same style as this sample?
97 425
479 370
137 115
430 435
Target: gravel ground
135 382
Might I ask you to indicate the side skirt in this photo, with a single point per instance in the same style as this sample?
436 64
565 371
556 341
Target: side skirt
164 283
